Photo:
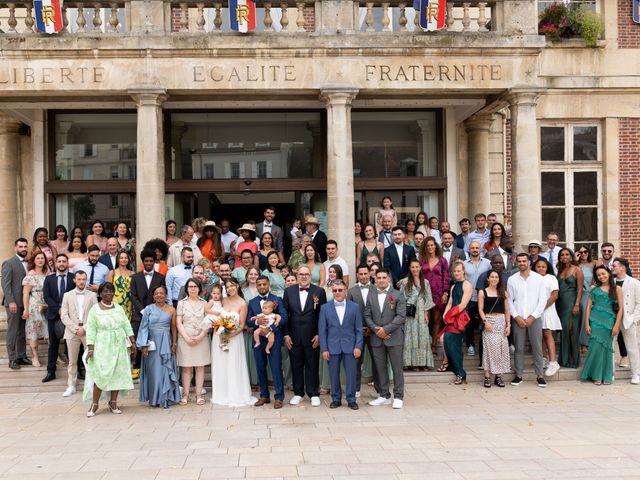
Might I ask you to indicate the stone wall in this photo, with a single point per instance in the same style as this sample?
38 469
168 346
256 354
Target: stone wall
628 30
629 148
507 170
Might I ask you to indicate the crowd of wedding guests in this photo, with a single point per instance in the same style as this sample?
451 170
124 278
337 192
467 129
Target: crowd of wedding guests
263 306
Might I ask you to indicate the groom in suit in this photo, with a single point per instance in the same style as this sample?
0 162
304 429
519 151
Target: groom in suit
302 303
397 256
384 315
275 357
268 226
340 331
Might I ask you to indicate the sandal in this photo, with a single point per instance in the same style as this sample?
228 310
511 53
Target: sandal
199 401
597 383
113 406
499 382
443 368
487 383
184 400
459 380
92 411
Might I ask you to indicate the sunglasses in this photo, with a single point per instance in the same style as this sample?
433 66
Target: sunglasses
583 252
607 251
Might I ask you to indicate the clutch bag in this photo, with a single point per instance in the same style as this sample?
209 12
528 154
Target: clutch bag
151 347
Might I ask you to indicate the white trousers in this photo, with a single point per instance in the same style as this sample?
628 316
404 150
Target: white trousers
631 337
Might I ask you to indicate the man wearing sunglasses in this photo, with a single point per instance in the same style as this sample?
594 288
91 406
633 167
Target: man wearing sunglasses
606 252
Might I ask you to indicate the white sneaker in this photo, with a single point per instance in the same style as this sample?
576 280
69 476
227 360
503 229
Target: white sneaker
357 394
315 401
635 380
552 369
380 401
397 403
512 349
471 351
295 400
545 362
203 391
69 391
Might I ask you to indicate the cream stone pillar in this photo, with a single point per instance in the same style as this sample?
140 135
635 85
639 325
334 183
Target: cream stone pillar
340 197
479 183
150 202
526 203
9 179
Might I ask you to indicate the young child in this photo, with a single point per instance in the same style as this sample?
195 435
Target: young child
214 307
266 330
386 209
296 233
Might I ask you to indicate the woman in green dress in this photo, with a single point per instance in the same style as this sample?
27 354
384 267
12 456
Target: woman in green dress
602 322
273 272
570 280
121 279
417 340
110 344
370 245
297 256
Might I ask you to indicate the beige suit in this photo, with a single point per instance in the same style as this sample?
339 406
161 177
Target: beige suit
175 253
630 320
72 320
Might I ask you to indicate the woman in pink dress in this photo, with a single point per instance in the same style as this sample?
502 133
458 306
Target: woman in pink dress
97 236
42 244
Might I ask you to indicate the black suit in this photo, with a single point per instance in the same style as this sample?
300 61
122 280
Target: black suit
53 299
392 262
141 296
106 261
320 242
302 326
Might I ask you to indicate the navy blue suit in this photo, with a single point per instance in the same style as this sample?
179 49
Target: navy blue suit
275 357
106 261
53 299
392 262
340 340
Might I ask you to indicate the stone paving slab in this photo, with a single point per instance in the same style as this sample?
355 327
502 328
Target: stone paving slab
568 430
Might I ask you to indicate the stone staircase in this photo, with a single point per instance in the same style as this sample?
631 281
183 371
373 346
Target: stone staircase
28 379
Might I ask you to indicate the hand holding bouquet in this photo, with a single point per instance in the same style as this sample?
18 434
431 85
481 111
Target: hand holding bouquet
226 324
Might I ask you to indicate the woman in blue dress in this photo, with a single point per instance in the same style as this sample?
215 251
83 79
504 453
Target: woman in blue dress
602 322
157 338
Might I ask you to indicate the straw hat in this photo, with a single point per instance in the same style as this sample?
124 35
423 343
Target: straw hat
532 243
211 224
248 227
312 220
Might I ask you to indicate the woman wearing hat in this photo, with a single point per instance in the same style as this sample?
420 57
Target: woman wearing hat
534 248
209 242
247 241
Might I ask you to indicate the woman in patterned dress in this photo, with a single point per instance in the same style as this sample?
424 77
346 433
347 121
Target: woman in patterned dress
121 279
436 271
125 242
110 345
34 306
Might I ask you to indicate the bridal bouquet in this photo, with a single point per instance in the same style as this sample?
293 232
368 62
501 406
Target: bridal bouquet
228 322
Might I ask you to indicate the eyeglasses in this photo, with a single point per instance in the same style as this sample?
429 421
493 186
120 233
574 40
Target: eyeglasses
193 286
303 274
607 250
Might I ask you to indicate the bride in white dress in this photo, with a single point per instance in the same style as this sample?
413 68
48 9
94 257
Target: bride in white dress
229 371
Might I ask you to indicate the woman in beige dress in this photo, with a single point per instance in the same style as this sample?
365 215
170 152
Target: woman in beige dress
194 350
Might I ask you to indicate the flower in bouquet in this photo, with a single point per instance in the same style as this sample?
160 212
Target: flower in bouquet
226 324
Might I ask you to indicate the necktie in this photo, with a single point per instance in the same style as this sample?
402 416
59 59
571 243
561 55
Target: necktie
304 289
149 274
61 287
551 257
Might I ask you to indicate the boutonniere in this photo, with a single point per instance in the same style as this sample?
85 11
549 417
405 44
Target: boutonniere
275 305
390 300
315 301
456 257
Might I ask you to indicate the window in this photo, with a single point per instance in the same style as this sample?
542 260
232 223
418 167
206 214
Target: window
589 4
262 170
570 180
114 201
208 171
89 150
235 170
114 171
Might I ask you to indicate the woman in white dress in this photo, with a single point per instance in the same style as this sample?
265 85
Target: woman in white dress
229 372
550 318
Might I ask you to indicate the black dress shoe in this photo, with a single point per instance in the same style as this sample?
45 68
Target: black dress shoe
81 375
353 406
24 361
49 377
335 404
13 365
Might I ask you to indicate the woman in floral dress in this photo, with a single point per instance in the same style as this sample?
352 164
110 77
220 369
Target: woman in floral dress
34 306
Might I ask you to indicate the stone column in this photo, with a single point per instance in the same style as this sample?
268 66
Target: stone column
150 201
526 203
340 196
10 180
479 183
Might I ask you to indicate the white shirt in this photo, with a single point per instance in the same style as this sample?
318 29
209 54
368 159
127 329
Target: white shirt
446 253
113 260
340 309
266 227
364 290
80 305
227 239
147 278
526 297
554 261
436 234
303 297
336 261
24 262
386 239
399 248
381 299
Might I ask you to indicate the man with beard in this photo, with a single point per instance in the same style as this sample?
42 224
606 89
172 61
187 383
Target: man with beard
177 276
13 272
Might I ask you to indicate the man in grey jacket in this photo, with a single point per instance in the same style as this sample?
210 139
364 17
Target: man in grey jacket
384 314
13 272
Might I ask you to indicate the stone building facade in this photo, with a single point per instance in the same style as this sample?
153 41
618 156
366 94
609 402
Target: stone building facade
149 110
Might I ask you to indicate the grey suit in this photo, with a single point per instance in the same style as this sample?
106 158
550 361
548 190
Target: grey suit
276 233
391 318
355 295
12 275
456 254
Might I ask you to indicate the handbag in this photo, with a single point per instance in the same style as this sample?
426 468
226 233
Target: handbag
59 328
151 347
42 308
411 310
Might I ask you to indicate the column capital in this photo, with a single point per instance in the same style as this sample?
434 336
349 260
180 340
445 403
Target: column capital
338 95
148 95
523 97
479 122
8 124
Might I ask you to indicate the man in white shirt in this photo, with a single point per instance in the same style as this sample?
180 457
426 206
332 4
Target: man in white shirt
526 304
450 252
418 238
358 294
553 250
175 250
631 314
480 234
74 313
177 276
334 259
227 237
386 237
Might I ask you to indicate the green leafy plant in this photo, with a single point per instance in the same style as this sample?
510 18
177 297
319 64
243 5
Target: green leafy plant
558 21
590 27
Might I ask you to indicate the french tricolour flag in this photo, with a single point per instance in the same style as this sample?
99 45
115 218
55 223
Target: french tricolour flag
432 13
48 15
242 14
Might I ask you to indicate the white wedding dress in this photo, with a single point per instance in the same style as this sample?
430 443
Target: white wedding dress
230 374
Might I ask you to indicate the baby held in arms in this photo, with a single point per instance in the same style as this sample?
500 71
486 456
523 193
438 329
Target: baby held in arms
266 330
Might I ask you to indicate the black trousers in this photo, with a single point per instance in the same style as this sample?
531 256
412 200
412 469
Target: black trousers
135 325
305 367
621 345
472 326
54 346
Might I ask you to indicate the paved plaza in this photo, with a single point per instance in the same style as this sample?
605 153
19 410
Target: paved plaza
568 430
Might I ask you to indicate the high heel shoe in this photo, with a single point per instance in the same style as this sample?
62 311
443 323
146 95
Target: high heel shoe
92 411
113 406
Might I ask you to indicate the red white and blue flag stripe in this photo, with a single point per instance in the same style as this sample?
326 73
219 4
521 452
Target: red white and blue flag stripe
242 15
432 13
48 15
636 11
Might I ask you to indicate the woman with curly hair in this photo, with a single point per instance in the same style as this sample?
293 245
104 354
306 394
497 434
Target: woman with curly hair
42 244
161 249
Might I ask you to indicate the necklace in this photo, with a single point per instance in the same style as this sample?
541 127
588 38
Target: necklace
106 305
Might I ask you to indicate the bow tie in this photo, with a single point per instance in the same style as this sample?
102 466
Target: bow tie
364 285
382 292
446 249
149 274
304 289
339 304
263 298
187 267
268 224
